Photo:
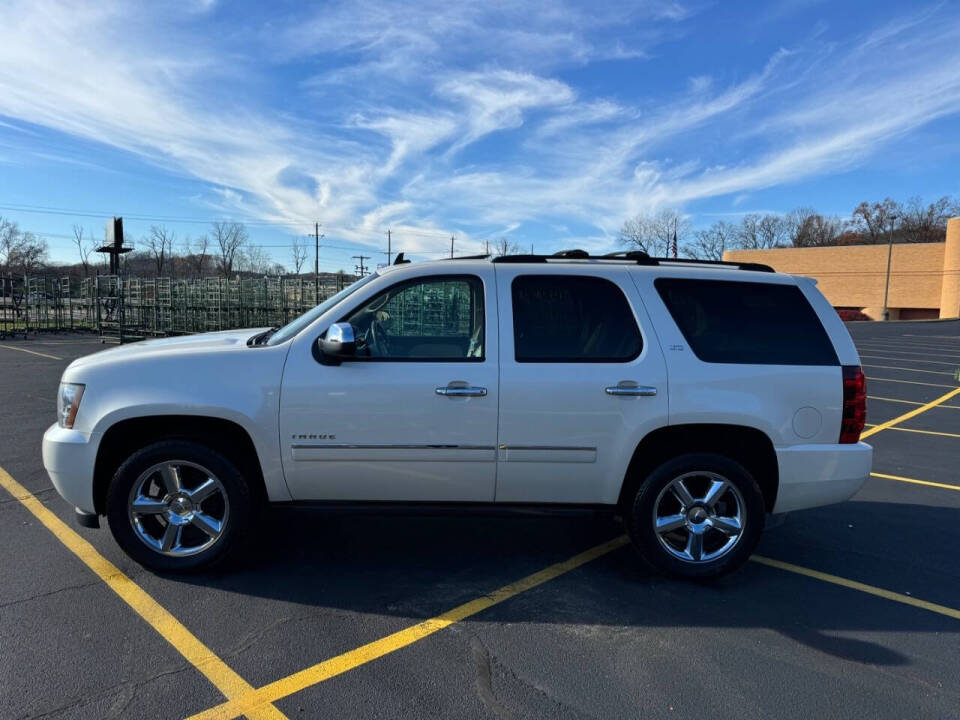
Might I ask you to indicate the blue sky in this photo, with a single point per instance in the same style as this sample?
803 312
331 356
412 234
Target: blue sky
548 123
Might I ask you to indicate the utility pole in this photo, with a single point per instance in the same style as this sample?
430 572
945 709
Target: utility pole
451 246
316 256
361 270
886 290
488 247
389 238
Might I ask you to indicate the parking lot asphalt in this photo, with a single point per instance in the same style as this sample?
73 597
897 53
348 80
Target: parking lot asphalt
851 610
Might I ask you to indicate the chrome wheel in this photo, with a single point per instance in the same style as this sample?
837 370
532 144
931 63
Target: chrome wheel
699 517
178 508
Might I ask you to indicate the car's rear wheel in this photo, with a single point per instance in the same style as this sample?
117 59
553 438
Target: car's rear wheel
698 515
178 505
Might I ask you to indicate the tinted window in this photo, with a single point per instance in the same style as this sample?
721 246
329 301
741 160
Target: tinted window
571 318
743 322
436 318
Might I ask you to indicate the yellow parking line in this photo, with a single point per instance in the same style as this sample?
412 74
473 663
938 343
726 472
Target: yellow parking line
907 415
160 619
391 643
908 382
862 587
923 432
32 352
914 481
910 402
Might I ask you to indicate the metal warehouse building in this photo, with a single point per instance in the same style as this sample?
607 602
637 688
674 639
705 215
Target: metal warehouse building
924 277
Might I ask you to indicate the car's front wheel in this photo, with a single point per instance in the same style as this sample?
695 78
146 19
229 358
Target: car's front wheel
698 515
178 505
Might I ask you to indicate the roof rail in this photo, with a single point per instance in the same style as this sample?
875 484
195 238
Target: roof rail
638 257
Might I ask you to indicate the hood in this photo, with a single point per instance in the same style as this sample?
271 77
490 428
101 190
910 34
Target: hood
204 343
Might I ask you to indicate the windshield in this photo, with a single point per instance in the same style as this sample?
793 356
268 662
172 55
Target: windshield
295 326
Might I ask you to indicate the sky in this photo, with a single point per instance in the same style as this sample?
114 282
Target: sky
548 123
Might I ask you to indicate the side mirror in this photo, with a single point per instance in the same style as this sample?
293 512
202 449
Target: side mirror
339 342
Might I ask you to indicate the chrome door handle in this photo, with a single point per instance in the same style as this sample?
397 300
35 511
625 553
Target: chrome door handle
632 390
461 391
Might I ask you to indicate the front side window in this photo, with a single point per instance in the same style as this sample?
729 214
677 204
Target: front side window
573 319
437 318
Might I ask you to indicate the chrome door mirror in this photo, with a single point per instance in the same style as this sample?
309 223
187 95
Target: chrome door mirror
339 341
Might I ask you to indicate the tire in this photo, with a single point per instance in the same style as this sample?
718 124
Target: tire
194 527
674 549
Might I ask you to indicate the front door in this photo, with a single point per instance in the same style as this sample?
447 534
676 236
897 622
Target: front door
414 416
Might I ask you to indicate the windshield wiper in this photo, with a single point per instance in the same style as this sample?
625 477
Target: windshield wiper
262 338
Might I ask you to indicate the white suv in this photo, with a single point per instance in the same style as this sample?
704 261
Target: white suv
689 398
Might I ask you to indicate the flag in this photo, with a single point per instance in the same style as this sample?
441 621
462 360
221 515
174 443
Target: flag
674 247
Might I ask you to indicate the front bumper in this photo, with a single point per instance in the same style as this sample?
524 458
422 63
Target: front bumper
69 457
813 475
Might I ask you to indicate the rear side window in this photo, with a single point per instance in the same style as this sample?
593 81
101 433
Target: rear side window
749 323
572 318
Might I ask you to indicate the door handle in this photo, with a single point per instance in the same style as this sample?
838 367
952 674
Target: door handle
461 391
631 390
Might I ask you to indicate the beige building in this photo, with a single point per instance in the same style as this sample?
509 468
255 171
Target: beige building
924 277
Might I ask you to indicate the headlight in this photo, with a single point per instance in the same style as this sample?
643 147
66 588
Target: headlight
68 402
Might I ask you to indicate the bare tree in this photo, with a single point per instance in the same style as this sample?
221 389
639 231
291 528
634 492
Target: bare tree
503 246
873 220
299 252
21 252
84 247
809 228
159 243
925 223
654 233
254 259
229 239
197 254
711 243
762 232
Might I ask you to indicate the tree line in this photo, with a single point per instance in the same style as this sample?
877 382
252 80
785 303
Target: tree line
224 250
913 221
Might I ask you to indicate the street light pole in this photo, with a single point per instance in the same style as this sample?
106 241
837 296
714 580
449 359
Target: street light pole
886 290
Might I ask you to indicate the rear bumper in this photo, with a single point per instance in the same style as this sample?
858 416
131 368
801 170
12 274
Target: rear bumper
69 457
813 475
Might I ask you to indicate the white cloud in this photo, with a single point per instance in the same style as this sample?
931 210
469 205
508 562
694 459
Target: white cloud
497 100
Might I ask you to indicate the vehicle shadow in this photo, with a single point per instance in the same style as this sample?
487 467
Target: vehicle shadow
414 567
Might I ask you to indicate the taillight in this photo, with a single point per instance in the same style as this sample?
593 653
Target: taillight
854 404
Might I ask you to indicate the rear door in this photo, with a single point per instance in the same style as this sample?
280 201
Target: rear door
582 380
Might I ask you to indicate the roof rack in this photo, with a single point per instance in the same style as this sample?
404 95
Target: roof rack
638 257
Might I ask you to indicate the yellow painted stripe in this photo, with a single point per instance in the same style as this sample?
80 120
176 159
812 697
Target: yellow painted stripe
912 413
32 352
391 643
914 481
897 367
171 629
910 402
908 382
922 432
861 587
